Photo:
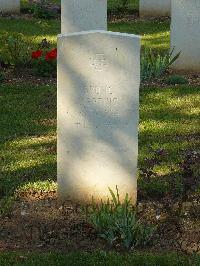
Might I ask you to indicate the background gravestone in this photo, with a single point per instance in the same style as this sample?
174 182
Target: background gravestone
83 15
155 7
185 34
9 6
98 110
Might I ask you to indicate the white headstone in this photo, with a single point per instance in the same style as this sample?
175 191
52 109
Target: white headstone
98 111
9 6
83 15
185 34
155 7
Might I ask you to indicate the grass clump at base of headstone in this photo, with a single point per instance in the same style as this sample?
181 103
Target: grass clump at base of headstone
176 79
116 222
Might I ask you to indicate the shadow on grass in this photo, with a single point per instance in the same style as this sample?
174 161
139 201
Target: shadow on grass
33 31
155 34
27 136
168 119
17 179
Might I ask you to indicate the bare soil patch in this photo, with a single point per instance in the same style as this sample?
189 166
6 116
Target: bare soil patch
37 222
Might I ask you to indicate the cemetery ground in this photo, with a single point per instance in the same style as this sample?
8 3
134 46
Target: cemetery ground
31 219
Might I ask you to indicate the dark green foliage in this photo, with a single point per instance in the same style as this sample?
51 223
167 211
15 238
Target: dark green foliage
125 3
39 10
43 68
122 6
176 79
116 222
2 77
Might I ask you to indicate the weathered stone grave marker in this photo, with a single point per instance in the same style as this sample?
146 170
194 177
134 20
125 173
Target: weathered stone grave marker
155 7
9 6
185 34
83 15
98 110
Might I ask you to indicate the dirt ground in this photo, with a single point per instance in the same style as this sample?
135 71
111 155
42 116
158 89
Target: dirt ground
37 222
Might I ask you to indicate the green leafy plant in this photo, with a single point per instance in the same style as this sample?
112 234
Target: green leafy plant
176 79
16 49
42 68
116 222
154 65
124 3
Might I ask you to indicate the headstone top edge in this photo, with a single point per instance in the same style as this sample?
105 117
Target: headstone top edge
100 32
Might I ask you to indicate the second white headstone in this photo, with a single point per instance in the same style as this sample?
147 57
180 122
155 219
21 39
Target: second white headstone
9 6
185 34
83 15
156 8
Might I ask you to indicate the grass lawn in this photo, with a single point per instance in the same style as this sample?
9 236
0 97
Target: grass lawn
98 258
155 35
28 135
169 119
28 131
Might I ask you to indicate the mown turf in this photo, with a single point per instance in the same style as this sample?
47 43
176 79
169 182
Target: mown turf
27 136
32 30
168 118
168 115
98 258
155 34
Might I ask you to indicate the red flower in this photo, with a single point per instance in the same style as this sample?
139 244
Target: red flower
36 54
51 55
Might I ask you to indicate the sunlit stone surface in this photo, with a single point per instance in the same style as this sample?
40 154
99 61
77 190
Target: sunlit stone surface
83 15
9 6
185 34
155 7
98 110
